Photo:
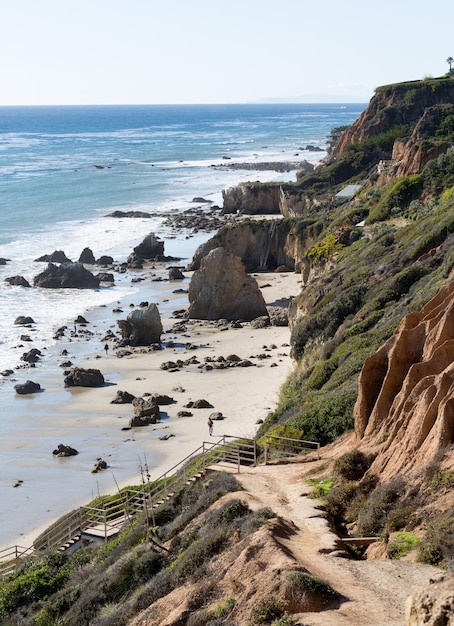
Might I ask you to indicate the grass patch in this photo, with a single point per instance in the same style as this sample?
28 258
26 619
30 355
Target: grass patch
322 487
400 544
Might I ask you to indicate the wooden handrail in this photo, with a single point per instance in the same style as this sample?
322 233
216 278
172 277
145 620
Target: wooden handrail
111 509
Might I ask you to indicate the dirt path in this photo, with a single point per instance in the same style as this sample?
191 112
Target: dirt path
375 590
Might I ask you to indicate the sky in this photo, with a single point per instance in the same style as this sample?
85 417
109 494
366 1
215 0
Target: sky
214 51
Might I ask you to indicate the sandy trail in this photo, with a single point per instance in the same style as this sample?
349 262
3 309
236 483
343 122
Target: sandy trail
375 591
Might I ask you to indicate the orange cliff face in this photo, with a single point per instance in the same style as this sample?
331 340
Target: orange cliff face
406 392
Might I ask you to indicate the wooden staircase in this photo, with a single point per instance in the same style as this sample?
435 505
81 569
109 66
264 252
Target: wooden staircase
105 518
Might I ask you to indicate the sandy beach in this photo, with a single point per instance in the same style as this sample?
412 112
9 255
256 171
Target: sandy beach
41 487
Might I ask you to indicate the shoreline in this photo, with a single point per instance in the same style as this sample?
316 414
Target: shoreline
85 419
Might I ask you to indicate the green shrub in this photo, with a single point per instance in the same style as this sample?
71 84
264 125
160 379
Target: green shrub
352 465
373 515
338 500
400 544
322 487
442 480
322 373
437 547
36 580
268 610
306 583
328 417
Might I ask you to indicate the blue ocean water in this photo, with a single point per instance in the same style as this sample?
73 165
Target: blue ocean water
63 169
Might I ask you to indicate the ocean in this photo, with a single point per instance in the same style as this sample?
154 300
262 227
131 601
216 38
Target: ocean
64 169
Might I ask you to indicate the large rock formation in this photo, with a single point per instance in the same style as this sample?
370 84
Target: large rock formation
251 199
266 198
264 244
221 289
406 390
65 276
142 327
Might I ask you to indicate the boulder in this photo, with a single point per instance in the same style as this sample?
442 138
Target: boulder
24 320
4 261
137 421
32 356
79 377
142 327
67 275
99 465
62 451
123 397
87 257
145 407
58 256
28 387
198 404
105 260
17 281
135 262
221 288
162 399
175 274
105 277
151 248
278 315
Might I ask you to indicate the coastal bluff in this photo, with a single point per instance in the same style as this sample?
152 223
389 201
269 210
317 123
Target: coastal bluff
406 389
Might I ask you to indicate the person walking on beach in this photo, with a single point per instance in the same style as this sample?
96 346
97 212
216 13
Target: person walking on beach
106 348
210 426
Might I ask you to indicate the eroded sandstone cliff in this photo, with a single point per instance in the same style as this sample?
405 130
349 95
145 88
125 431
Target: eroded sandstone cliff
406 391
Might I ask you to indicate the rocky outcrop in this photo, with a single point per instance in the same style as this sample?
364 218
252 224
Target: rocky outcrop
251 199
411 154
17 281
402 104
264 244
66 276
434 605
221 289
150 248
406 390
135 214
87 257
142 327
58 256
79 377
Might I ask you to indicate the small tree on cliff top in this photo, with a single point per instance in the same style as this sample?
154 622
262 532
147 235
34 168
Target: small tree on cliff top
450 60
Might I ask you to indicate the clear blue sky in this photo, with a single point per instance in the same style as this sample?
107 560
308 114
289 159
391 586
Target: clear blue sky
204 51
